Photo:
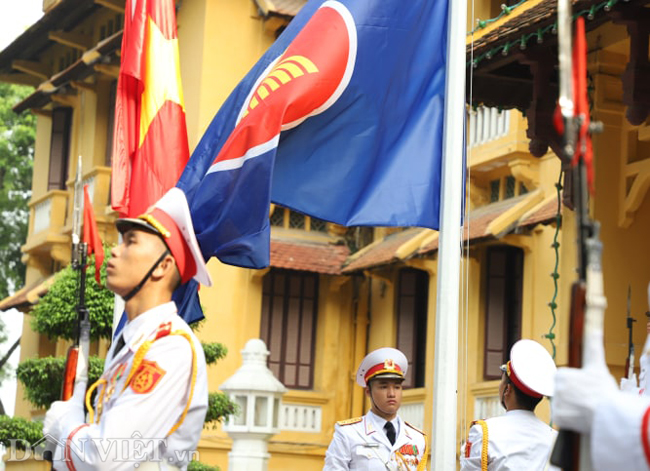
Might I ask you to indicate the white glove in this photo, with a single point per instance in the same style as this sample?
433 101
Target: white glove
630 385
578 393
62 413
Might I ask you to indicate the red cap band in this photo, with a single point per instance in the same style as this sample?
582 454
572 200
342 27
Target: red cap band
387 366
517 382
177 245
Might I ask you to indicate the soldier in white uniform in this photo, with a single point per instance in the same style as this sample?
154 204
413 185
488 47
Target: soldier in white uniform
588 401
517 440
380 440
152 397
629 385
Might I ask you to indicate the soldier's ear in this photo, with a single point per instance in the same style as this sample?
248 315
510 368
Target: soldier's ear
166 264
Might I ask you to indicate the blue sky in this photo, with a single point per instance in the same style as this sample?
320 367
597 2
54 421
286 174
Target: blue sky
16 17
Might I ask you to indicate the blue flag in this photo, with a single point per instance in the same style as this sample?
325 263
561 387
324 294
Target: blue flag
341 119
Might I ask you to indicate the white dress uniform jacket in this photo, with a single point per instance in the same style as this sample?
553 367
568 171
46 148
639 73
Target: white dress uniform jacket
143 421
517 441
361 444
620 438
644 370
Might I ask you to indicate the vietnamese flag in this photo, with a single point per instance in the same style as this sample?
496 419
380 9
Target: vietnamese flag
150 146
91 235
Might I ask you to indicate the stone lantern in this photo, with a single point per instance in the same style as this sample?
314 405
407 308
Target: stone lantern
257 393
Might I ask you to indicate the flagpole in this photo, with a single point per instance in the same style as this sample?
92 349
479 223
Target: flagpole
445 381
119 304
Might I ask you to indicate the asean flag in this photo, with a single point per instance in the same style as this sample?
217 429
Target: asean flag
150 146
341 119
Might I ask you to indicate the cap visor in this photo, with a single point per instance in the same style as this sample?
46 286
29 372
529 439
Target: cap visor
126 224
387 376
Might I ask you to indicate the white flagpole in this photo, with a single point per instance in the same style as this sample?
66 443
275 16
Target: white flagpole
445 381
118 306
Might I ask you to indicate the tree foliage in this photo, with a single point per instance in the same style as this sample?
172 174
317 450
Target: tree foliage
43 378
214 352
219 407
198 466
17 134
55 314
20 432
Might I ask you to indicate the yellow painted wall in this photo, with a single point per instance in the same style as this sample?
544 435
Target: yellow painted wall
233 311
219 42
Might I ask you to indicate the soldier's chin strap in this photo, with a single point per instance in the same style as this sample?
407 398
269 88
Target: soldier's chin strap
139 286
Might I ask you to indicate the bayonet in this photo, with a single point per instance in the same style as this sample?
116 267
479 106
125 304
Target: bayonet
630 342
77 207
565 53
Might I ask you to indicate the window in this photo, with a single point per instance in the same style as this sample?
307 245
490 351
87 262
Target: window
495 186
59 148
506 187
289 309
412 301
503 306
510 187
289 219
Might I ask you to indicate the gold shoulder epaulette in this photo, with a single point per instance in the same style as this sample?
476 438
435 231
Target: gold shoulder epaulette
415 428
356 420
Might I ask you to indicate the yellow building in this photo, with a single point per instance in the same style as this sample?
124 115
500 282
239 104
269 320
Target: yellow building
332 293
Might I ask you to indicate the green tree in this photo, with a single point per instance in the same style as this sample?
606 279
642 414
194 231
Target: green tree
17 134
55 314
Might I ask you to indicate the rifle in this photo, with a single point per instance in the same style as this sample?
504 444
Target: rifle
76 365
571 451
629 362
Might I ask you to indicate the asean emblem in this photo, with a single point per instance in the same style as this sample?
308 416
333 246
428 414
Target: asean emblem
389 364
304 81
147 377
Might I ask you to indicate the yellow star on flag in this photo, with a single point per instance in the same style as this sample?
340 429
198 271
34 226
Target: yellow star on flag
162 76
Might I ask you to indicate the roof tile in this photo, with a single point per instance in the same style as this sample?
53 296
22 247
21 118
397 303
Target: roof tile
319 257
383 252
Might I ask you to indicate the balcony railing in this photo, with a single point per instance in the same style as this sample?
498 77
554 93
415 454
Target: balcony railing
413 413
487 406
300 418
42 215
487 124
48 212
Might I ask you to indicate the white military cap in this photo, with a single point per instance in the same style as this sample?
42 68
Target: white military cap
170 218
531 368
385 363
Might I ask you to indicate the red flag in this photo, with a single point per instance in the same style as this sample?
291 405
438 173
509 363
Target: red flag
150 146
91 234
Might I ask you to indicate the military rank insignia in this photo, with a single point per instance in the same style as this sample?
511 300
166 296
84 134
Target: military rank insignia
356 420
409 450
147 377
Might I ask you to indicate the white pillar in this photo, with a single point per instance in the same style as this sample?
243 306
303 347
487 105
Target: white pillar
249 454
